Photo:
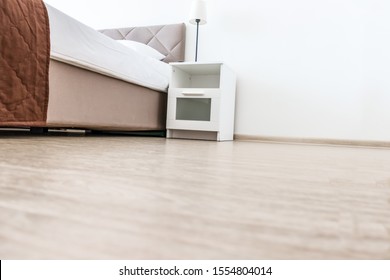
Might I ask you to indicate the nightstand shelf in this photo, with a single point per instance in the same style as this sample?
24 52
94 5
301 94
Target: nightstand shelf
201 100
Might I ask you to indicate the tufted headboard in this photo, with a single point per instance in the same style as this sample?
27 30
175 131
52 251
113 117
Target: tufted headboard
167 39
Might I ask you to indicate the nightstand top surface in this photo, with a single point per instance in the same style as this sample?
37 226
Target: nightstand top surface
205 68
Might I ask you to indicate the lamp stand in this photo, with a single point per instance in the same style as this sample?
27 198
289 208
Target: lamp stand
197 35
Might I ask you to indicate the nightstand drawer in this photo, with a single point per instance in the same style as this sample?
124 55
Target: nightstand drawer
195 112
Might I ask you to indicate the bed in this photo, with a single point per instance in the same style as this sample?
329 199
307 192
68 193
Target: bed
47 88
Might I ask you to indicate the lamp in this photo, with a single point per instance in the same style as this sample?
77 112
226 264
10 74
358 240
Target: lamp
198 16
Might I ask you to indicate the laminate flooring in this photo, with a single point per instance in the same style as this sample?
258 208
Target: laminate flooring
85 197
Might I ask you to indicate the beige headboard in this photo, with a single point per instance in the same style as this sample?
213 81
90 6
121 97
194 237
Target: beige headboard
167 39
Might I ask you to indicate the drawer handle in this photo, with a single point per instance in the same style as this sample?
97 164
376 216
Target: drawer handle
193 93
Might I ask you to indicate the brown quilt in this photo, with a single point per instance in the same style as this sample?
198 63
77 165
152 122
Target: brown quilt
24 62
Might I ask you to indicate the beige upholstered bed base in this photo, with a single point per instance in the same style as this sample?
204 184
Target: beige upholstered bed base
87 100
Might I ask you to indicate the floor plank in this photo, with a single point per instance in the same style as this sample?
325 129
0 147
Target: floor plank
88 197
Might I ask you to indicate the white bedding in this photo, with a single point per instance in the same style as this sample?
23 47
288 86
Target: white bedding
75 43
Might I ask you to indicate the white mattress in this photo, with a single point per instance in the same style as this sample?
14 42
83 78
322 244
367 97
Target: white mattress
75 43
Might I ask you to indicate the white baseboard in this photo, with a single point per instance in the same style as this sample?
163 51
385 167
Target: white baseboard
317 141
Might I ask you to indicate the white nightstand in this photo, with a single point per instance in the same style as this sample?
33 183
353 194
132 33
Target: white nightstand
201 100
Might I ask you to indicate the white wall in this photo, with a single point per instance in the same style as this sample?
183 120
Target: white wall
306 68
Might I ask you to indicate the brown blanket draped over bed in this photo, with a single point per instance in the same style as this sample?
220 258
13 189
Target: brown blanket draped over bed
24 62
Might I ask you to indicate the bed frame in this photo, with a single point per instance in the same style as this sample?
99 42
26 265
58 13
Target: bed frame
83 99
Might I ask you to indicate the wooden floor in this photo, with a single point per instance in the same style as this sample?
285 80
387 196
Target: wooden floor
81 197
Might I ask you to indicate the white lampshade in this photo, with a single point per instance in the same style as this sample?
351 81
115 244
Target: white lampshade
198 11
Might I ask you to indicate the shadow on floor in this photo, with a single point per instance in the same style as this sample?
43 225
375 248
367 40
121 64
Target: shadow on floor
44 132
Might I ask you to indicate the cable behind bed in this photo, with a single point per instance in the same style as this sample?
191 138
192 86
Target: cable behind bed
167 39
